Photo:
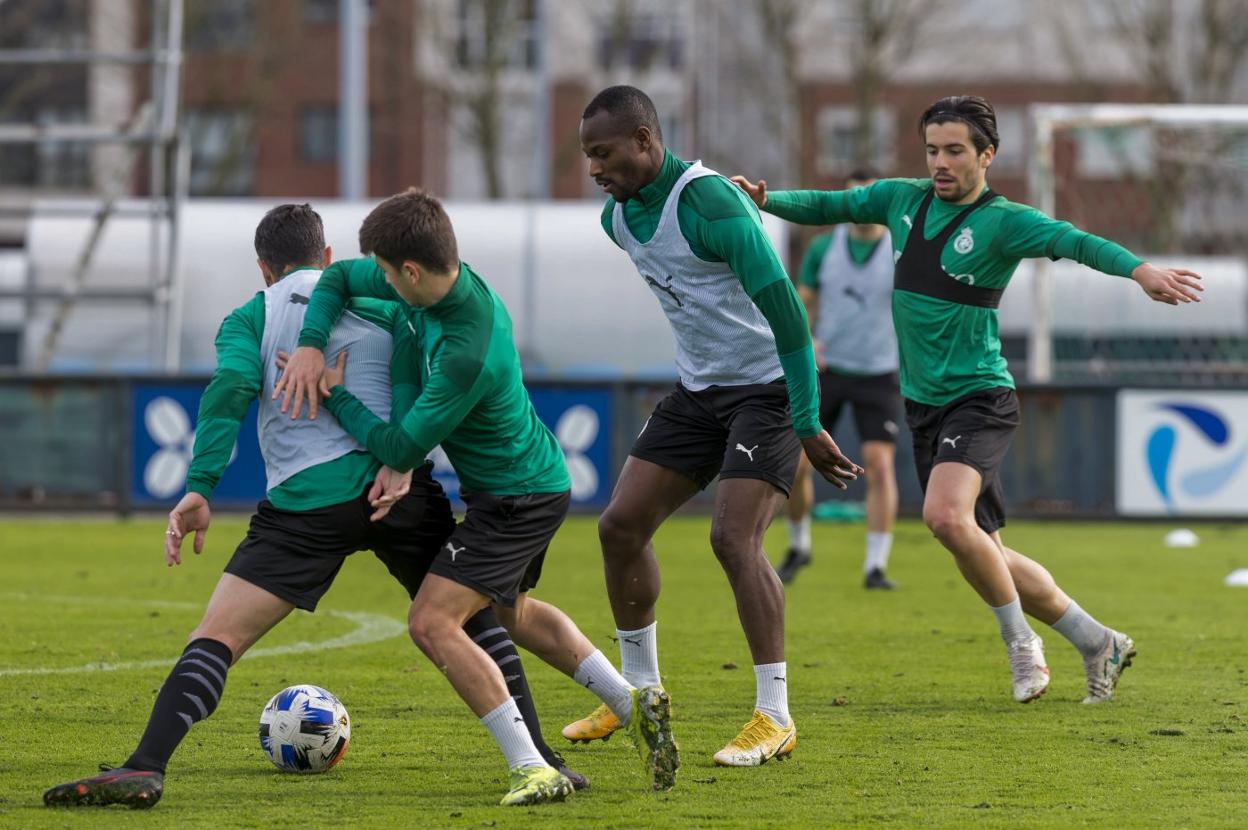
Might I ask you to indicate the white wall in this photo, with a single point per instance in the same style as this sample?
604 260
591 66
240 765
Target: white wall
591 311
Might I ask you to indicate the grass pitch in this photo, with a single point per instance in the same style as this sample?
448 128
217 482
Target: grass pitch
902 700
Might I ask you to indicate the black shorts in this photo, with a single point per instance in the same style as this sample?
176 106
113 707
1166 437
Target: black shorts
499 547
874 402
974 430
295 554
729 431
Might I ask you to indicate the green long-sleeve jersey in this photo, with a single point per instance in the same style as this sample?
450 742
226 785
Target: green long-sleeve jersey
237 381
722 225
472 400
949 349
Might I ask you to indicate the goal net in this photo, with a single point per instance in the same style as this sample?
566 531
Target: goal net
1170 182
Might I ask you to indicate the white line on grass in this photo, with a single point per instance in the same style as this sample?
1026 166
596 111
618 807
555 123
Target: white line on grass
370 628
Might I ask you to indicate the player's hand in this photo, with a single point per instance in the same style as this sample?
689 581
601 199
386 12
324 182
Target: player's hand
190 514
826 457
1168 285
335 375
388 488
820 365
756 192
303 378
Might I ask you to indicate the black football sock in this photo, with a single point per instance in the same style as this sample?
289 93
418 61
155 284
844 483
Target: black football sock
486 631
190 694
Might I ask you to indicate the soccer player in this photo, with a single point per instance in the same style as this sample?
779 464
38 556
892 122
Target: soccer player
957 245
515 481
322 491
741 333
846 282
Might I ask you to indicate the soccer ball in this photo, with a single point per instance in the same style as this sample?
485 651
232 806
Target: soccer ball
304 729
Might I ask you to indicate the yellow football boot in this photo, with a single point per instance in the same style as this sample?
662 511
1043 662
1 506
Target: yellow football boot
536 785
598 726
758 742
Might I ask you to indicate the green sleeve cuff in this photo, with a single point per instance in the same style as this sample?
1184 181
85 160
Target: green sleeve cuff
203 488
803 383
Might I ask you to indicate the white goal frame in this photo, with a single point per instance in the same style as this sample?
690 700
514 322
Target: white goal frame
1045 120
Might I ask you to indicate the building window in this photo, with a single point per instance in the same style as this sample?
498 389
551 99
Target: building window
1012 128
223 156
836 130
640 41
318 134
63 164
219 24
1114 152
57 165
44 24
501 32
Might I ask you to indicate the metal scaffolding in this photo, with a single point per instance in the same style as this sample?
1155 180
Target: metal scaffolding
153 128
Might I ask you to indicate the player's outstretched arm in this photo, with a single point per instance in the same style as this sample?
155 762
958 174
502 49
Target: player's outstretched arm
1168 285
864 205
826 457
191 514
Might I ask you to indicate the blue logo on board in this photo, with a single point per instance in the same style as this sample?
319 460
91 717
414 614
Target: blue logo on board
1211 427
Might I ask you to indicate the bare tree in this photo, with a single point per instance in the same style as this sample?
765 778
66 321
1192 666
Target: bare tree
780 21
1189 52
888 31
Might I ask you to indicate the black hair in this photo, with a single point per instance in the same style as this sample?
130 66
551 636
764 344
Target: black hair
975 112
629 106
290 235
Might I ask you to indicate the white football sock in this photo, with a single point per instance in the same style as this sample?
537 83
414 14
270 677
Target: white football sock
1084 632
772 695
639 656
512 736
1013 624
878 546
799 533
598 675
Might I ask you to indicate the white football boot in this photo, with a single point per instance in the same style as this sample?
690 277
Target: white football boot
1030 673
1107 665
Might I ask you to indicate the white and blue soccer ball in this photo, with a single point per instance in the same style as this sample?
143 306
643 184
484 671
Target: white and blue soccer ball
304 729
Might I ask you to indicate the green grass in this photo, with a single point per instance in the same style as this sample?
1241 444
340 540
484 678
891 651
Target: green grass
901 700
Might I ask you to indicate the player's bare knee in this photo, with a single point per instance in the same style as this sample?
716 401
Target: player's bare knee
946 523
423 627
736 551
619 536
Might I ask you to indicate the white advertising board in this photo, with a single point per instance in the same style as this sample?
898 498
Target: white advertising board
1182 453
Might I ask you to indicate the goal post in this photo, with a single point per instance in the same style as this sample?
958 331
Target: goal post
1170 181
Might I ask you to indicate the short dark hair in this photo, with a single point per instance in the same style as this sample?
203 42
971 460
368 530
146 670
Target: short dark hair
975 112
411 225
629 106
862 174
290 235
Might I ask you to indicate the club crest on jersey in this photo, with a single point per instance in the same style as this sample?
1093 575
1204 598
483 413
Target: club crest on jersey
965 243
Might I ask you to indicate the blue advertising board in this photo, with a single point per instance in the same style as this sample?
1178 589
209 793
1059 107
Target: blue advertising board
580 417
163 433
